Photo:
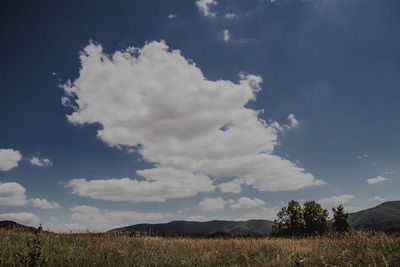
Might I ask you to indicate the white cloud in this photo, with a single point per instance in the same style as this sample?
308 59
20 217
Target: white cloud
293 122
93 219
230 15
133 95
40 162
335 200
166 184
24 218
214 204
377 198
12 194
245 203
363 156
233 186
265 213
204 7
9 159
172 16
351 209
226 36
376 180
44 204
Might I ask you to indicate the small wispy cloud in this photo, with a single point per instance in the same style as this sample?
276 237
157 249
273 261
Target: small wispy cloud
363 156
376 180
172 16
377 198
293 122
230 15
226 35
44 162
204 7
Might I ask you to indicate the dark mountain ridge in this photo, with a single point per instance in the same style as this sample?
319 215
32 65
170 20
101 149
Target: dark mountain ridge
210 228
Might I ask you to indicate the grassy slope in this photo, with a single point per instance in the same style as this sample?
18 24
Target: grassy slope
110 249
385 217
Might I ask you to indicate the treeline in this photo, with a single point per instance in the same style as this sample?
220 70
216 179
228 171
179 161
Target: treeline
311 219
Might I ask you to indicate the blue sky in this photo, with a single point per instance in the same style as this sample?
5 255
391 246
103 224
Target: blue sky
120 112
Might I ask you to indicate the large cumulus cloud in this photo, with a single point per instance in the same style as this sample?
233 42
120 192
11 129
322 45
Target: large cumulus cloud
194 130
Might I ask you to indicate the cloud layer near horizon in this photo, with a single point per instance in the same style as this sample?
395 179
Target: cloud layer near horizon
194 130
83 216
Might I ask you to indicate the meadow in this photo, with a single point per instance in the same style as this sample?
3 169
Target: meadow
22 248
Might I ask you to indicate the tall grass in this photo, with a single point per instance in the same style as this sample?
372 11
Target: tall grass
356 249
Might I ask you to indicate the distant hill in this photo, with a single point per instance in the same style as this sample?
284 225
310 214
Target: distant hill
210 228
384 217
14 225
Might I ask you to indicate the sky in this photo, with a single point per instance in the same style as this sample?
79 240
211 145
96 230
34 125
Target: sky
114 113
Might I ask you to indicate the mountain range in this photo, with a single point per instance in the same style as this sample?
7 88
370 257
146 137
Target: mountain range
384 217
211 228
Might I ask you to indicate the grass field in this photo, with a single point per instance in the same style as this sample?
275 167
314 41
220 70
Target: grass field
18 248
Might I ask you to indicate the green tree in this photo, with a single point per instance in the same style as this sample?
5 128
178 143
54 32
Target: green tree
340 217
316 219
290 221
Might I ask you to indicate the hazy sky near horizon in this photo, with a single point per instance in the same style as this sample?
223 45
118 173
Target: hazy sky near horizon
120 112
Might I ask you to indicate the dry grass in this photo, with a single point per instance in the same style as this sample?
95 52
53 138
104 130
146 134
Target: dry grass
357 249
